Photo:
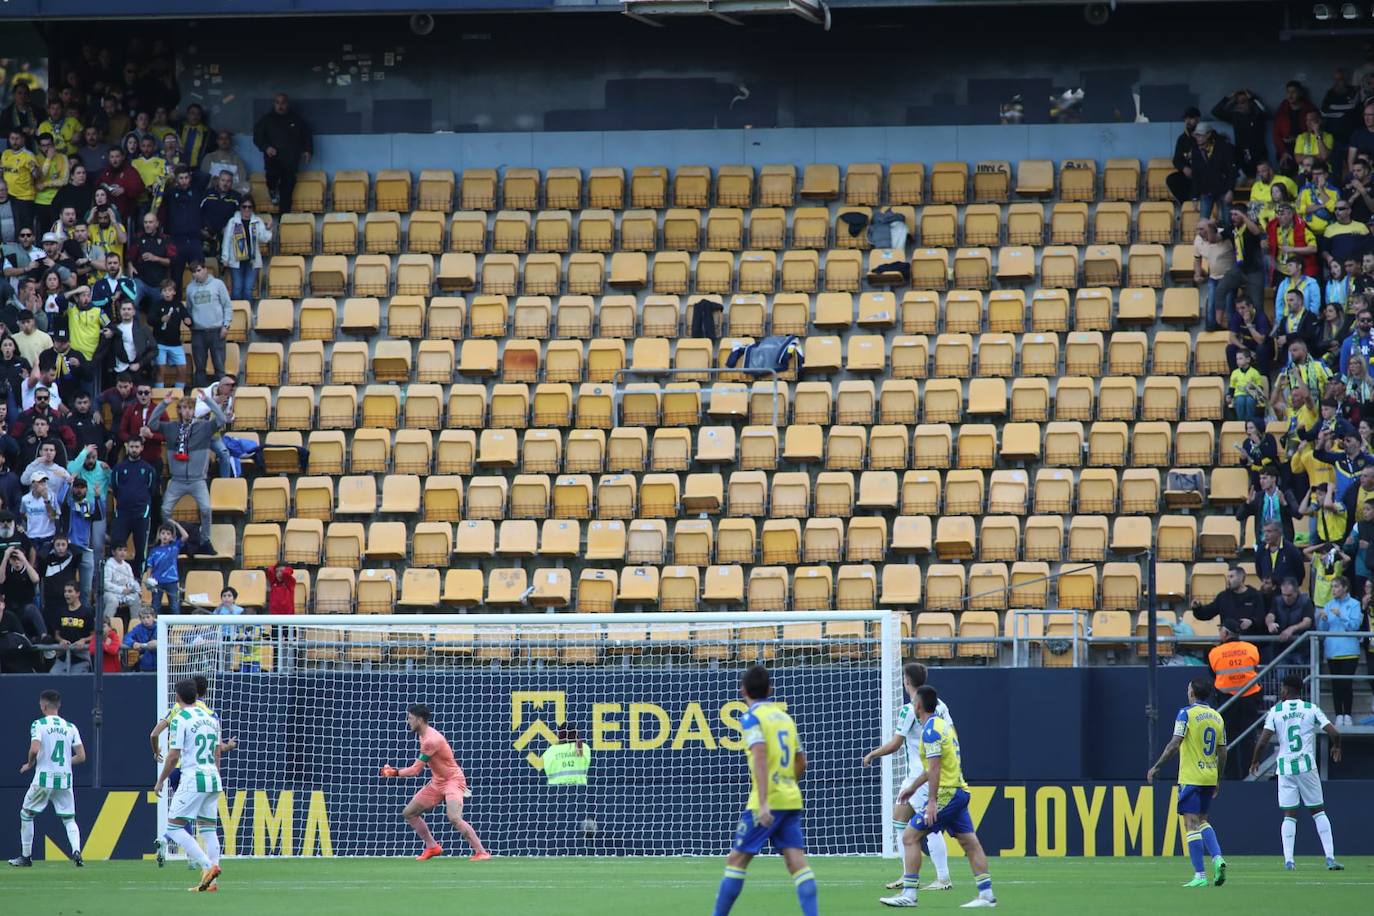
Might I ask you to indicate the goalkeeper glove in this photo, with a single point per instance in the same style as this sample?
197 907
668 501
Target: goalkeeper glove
388 771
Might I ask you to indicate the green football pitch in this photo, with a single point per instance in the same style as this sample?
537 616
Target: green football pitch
666 887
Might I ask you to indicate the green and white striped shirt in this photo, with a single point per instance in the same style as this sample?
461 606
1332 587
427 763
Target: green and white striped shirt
1295 724
57 740
195 732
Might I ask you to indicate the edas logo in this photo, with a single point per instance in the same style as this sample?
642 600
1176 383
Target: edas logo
536 699
618 726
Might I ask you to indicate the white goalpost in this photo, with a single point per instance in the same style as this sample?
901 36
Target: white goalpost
318 704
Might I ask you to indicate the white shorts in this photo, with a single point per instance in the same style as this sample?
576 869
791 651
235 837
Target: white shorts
1304 787
38 797
918 801
189 805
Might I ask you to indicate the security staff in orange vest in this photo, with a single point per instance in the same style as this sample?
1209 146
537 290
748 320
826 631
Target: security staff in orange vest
1234 665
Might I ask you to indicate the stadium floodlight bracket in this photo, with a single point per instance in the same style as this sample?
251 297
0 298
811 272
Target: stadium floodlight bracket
649 12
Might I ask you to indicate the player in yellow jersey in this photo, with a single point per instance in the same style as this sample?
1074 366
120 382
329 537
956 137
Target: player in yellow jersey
774 812
1200 740
946 809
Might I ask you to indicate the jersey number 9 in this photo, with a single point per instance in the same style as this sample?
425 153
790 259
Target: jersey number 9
1209 741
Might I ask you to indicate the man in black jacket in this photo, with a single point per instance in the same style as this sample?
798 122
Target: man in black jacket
1214 171
1236 605
1246 114
1289 615
1180 181
134 484
286 143
1277 559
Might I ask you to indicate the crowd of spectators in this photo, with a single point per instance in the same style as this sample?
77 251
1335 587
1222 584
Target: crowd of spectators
117 208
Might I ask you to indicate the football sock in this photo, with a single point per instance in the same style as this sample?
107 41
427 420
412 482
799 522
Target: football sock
1289 832
471 836
984 882
909 885
1324 831
730 886
939 854
73 833
1195 853
188 845
898 828
26 835
210 840
1209 840
418 824
805 882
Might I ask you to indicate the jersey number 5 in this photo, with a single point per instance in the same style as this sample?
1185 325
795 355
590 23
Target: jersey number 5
1294 739
1209 742
785 748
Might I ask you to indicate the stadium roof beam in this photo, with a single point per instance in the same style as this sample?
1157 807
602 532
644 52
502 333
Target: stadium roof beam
650 12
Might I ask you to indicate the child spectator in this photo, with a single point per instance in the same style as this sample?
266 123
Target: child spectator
161 574
121 585
281 590
1246 387
142 638
250 650
171 317
112 647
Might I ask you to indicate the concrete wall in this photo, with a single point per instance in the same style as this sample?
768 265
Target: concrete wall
673 148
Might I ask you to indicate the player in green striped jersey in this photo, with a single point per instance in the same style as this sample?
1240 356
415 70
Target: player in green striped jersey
54 745
1297 722
195 748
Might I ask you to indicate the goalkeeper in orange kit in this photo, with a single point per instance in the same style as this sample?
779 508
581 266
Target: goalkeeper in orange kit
447 784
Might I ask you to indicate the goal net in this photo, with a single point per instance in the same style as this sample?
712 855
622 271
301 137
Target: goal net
318 704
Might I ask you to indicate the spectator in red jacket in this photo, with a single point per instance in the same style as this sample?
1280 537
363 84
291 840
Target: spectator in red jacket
121 180
135 418
1290 119
281 590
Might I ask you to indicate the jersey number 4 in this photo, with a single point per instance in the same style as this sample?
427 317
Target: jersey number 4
59 753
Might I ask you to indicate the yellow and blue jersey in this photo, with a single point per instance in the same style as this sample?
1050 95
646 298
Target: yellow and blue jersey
200 704
940 741
769 724
1204 735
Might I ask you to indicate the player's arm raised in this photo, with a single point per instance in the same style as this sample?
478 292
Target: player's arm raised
1261 745
1170 750
34 747
891 747
758 757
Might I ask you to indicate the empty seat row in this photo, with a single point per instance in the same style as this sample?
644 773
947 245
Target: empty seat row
726 185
